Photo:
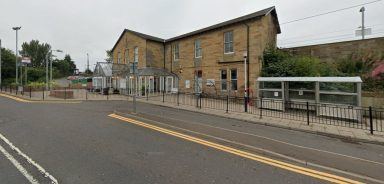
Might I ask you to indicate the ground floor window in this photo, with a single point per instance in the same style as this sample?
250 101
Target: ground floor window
223 74
233 79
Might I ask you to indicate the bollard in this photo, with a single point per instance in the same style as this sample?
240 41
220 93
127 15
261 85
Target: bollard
43 92
86 94
30 92
227 104
65 93
200 100
370 120
178 96
261 108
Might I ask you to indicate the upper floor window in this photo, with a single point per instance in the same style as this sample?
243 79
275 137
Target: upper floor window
176 51
198 50
228 42
118 58
136 55
126 56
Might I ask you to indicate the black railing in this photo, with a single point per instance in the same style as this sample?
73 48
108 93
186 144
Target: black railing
367 118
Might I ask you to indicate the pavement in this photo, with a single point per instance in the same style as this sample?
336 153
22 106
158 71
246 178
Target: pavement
83 143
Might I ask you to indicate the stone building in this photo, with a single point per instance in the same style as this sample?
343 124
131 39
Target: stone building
209 60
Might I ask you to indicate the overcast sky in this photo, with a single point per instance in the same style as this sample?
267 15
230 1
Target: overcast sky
92 26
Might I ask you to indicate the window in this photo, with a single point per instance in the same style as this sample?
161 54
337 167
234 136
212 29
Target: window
198 50
176 51
126 56
118 58
136 55
233 79
223 74
228 42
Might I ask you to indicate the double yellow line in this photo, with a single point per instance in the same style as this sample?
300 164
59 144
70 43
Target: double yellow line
31 101
262 159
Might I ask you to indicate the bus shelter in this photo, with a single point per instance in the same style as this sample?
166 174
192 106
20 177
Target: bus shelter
320 92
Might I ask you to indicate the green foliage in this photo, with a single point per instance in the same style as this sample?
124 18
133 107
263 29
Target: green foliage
8 66
37 51
109 55
64 67
278 63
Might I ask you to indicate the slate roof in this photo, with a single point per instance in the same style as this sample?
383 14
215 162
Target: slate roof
258 14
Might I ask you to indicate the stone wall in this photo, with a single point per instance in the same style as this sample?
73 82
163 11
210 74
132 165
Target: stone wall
332 52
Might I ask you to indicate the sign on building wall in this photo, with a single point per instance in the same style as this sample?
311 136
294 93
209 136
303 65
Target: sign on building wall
187 84
210 82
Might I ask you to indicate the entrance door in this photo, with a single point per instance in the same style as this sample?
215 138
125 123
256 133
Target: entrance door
169 84
199 81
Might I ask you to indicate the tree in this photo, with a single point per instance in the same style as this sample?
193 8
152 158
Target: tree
8 66
109 55
37 51
64 67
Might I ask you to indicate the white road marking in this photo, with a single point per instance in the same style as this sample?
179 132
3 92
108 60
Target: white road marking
18 166
41 169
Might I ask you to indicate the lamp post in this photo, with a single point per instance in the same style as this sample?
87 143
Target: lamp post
0 65
17 54
245 55
48 59
362 10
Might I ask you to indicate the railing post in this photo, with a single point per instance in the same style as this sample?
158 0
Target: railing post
261 108
86 94
30 91
227 104
65 93
43 92
200 100
245 104
178 96
370 120
307 113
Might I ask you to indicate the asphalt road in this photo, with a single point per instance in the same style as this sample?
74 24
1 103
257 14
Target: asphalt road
79 143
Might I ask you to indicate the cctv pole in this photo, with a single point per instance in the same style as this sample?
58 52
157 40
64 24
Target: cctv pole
362 10
87 62
50 74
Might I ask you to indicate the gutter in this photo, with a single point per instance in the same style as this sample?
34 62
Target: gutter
248 57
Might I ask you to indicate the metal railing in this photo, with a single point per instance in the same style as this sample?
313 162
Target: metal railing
366 118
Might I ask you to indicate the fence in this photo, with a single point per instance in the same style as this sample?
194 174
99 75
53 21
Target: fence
367 118
60 93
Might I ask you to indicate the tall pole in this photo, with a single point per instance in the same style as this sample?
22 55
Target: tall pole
87 62
50 74
17 54
362 10
245 83
46 70
0 65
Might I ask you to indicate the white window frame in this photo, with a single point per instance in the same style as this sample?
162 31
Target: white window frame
176 47
198 48
118 57
229 42
126 56
223 80
136 55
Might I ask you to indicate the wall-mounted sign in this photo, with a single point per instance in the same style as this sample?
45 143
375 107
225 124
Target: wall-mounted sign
210 82
187 84
276 94
301 93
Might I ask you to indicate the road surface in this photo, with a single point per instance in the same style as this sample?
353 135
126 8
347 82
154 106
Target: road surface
86 143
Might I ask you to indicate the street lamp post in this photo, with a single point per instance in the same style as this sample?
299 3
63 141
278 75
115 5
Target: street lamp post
0 65
245 55
17 54
48 59
362 10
